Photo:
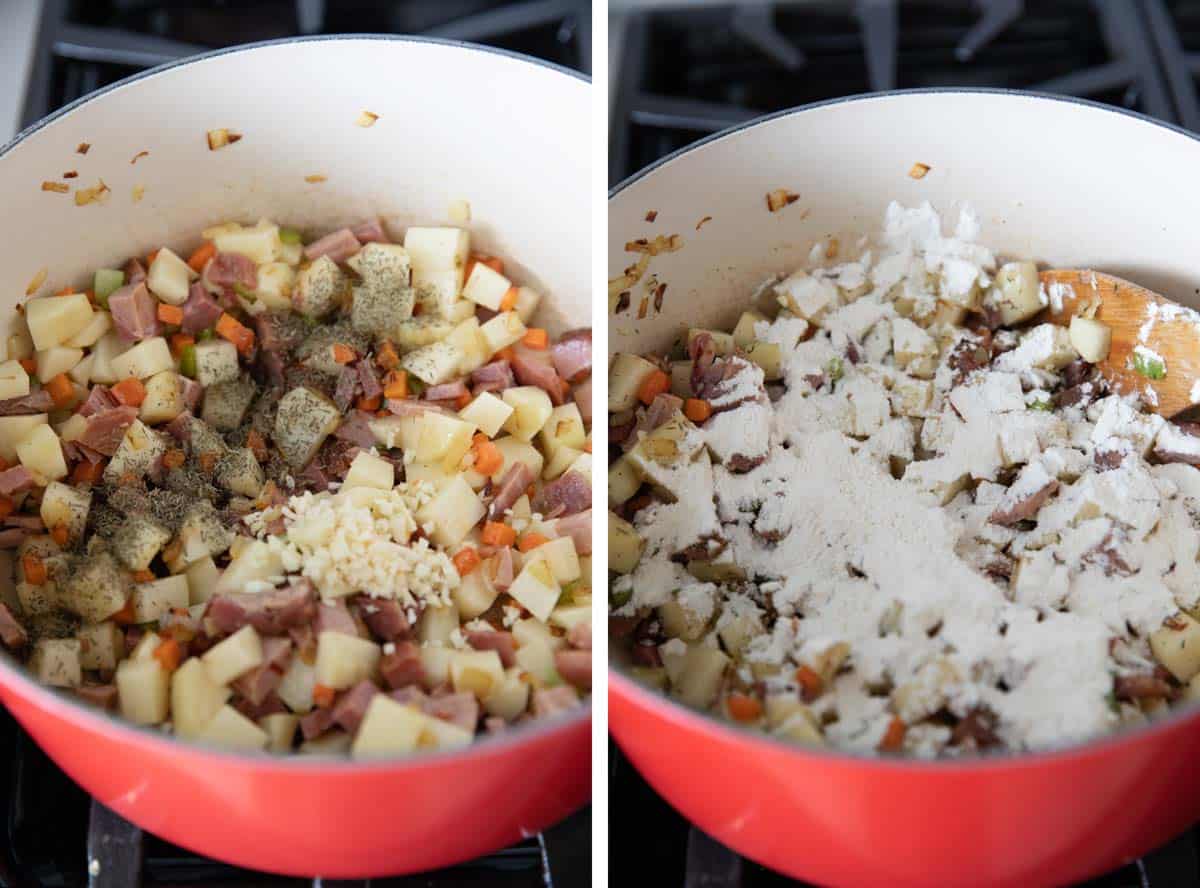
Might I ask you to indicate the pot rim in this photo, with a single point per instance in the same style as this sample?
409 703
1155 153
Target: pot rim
623 685
84 717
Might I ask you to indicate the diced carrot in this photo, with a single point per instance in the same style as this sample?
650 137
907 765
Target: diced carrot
697 409
395 386
497 534
87 472
200 258
180 341
29 364
91 295
61 390
465 560
124 617
386 357
536 337
506 354
65 291
169 654
150 257
509 300
463 400
170 314
208 461
587 446
143 576
323 696
129 392
488 458
364 403
174 458
743 707
257 444
811 683
230 328
652 386
531 540
60 534
343 354
893 737
6 506
35 569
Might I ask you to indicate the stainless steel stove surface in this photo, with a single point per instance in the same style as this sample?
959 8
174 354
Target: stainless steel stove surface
51 833
681 72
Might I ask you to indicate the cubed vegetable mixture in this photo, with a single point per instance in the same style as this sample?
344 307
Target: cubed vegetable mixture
326 497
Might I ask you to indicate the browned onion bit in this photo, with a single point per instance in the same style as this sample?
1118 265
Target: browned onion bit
780 198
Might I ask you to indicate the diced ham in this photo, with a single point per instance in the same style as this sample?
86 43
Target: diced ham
265 678
104 696
314 475
565 495
447 391
535 368
572 355
1025 508
384 617
352 705
461 709
504 569
583 399
370 231
12 633
575 667
270 613
13 537
500 642
402 667
134 312
180 428
367 380
494 724
316 723
580 636
105 431
273 368
1141 687
494 377
227 271
338 246
135 272
98 400
200 311
355 429
347 385
410 407
28 522
35 402
269 705
335 618
579 528
512 485
551 701
662 408
411 695
15 480
192 392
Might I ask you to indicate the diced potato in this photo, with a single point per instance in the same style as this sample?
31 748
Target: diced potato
14 430
280 728
138 539
453 512
53 320
202 576
81 373
231 729
20 344
435 363
226 403
487 412
36 601
769 357
536 589
303 420
531 631
439 734
195 698
136 454
486 286
563 428
216 361
624 545
531 410
736 633
441 439
435 666
681 622
275 283
476 671
700 678
55 360
437 249
103 352
470 342
537 659
381 311
369 470
259 243
296 688
910 343
624 481
572 615
503 330
559 554
143 689
385 268
41 453
331 743
233 657
625 377
475 594
562 460
1091 338
514 450
66 506
97 589
164 398
388 728
256 561
1015 292
723 342
345 660
14 381
320 288
55 661
169 277
436 624
743 334
801 728
144 649
1177 646
422 330
527 303
101 645
148 357
239 472
509 697
438 291
152 601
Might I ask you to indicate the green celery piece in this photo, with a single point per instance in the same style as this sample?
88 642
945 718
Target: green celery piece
620 599
246 293
187 361
835 369
1148 367
1044 404
106 282
205 335
289 235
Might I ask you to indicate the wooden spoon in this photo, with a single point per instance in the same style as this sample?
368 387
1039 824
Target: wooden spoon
1137 317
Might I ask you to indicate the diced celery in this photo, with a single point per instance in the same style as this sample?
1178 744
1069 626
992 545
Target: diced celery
205 335
107 282
187 361
245 292
289 235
